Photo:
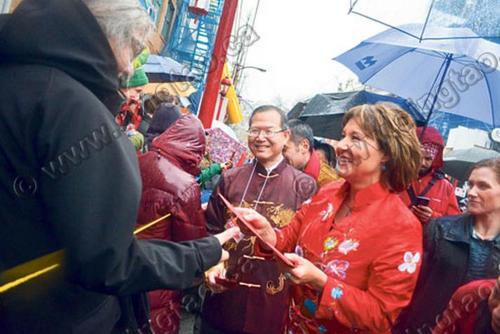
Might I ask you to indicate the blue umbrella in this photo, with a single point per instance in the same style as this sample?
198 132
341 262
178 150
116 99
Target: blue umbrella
164 69
458 76
481 16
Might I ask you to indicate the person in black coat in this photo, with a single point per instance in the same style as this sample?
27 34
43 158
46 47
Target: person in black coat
69 181
457 250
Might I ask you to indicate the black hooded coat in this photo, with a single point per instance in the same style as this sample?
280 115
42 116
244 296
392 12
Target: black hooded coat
69 181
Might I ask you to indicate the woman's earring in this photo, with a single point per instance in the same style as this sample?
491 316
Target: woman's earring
383 168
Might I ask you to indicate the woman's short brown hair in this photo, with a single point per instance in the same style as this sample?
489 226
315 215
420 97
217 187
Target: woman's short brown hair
492 163
395 132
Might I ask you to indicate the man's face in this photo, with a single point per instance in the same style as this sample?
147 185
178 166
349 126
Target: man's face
297 154
427 159
267 149
133 93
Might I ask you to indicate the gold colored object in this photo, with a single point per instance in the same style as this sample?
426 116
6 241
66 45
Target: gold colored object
219 267
30 270
148 225
280 215
27 278
181 88
272 289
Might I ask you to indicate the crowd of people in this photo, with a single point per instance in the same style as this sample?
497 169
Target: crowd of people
366 236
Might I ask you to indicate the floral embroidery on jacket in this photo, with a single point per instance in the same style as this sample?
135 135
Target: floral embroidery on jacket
337 293
337 268
348 245
326 213
329 244
410 262
299 251
310 306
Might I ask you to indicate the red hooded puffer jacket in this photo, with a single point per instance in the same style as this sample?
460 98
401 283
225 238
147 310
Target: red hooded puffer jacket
442 194
168 173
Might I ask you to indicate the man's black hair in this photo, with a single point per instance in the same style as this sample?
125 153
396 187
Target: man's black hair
300 130
328 150
283 118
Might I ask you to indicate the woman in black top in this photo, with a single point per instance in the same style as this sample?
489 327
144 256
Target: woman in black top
457 250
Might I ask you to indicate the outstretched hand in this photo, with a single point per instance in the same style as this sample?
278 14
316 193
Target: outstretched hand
210 278
224 237
259 223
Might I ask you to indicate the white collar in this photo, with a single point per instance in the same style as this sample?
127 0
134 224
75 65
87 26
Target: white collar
270 169
477 236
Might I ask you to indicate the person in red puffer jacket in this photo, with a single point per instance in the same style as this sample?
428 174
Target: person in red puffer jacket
168 173
431 195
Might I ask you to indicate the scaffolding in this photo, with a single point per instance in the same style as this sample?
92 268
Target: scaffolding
192 41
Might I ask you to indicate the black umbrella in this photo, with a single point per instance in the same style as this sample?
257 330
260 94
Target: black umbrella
324 112
458 163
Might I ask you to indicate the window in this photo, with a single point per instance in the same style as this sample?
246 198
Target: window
169 18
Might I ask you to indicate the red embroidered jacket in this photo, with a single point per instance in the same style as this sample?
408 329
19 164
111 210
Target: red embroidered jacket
372 259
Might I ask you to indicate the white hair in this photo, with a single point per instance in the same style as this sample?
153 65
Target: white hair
124 21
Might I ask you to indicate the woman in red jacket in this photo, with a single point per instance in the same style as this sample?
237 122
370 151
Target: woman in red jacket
357 247
168 173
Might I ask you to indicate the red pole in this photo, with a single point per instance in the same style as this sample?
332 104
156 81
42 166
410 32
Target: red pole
212 87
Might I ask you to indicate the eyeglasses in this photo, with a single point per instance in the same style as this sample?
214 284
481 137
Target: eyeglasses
267 133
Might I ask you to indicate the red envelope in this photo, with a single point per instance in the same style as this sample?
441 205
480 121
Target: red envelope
228 283
276 252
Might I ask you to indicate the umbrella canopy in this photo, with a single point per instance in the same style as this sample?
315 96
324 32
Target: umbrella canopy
224 127
481 16
164 69
458 163
324 112
458 76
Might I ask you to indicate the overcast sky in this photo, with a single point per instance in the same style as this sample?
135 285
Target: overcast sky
298 40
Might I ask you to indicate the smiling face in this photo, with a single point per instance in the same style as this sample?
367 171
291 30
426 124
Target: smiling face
484 192
359 157
267 150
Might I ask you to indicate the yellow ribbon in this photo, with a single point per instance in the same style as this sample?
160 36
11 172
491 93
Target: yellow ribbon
48 258
154 222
